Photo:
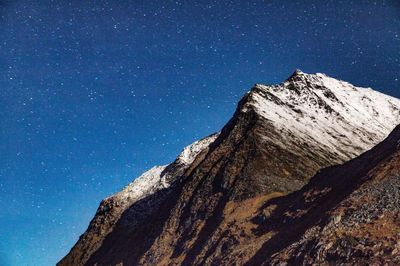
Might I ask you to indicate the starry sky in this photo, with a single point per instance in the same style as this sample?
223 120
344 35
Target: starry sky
92 93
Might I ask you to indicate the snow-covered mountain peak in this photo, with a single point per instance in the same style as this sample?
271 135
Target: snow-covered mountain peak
297 74
324 110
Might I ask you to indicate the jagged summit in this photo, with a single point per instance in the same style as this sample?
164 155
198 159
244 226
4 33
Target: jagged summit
200 209
297 73
327 111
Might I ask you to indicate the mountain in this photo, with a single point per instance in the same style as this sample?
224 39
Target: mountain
203 208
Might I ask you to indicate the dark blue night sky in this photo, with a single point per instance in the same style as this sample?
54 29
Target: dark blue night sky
92 93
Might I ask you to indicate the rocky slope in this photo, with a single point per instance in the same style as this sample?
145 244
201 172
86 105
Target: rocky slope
348 214
203 205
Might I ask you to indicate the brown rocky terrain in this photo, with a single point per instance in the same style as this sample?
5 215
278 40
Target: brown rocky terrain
347 214
230 200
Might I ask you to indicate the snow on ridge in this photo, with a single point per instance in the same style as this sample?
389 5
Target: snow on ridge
321 109
155 179
190 152
146 184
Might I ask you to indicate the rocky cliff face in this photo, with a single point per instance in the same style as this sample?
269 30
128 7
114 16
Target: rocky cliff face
201 209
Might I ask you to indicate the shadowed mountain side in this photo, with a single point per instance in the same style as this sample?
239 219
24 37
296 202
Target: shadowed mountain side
121 245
